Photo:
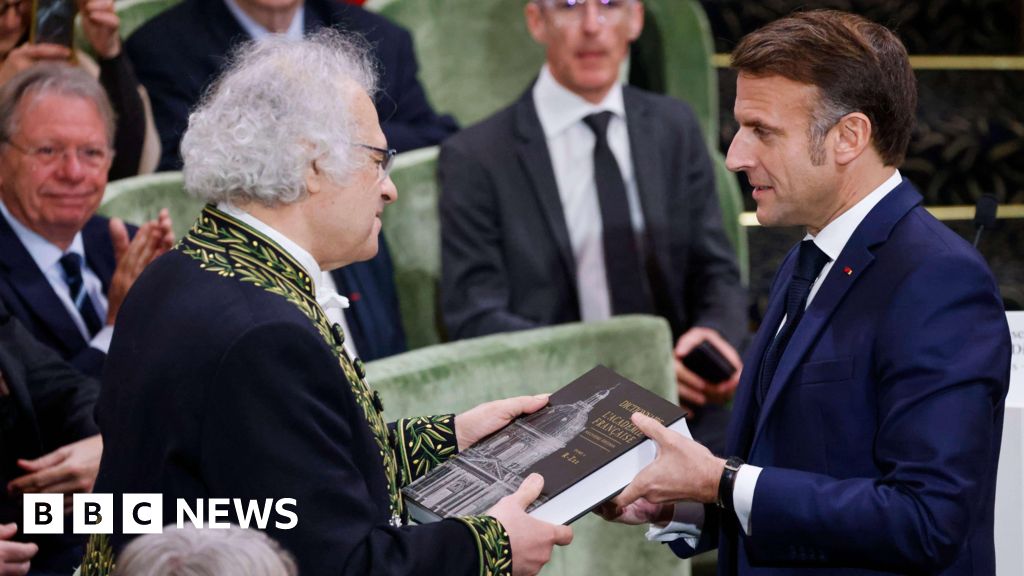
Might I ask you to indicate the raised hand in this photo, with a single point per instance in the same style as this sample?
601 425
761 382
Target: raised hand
531 540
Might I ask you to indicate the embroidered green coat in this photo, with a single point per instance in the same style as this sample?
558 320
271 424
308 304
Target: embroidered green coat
226 380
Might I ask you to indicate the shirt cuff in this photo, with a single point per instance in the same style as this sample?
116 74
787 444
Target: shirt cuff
687 523
101 341
743 494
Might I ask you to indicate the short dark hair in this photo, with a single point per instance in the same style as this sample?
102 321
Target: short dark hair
857 66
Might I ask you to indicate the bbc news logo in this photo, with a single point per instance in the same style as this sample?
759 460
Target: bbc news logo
144 513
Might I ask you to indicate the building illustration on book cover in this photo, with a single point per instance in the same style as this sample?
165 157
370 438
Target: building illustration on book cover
494 468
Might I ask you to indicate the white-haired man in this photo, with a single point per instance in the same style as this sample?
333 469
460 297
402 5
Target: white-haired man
228 380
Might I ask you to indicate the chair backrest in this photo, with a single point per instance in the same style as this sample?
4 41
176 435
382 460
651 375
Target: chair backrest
414 237
135 13
475 57
459 375
140 198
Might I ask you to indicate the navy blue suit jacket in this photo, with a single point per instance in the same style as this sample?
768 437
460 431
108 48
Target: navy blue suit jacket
29 297
177 54
373 317
44 404
880 433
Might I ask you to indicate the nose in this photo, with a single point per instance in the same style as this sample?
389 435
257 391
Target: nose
388 191
738 157
69 167
592 18
10 18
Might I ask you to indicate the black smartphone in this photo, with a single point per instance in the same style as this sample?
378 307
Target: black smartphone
707 362
53 22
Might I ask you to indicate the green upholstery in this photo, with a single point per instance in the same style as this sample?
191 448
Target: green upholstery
475 56
135 13
730 199
140 198
414 237
456 376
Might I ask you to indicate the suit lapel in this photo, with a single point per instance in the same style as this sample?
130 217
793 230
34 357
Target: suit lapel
856 258
34 289
99 249
532 151
643 129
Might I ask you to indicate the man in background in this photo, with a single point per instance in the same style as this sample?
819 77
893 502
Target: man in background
64 271
587 199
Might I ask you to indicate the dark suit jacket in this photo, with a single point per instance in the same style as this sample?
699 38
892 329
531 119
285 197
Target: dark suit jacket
178 53
373 317
28 296
44 404
506 260
232 392
880 433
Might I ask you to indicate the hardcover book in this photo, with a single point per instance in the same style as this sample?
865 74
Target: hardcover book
582 442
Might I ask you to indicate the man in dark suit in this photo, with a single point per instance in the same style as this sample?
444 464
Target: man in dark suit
63 270
178 54
228 376
870 413
48 443
586 199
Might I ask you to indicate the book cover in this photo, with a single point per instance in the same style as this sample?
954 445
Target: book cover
582 442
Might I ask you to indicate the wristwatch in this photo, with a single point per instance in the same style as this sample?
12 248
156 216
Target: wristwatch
728 482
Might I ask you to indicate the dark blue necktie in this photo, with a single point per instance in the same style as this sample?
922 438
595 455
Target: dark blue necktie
627 278
810 261
72 265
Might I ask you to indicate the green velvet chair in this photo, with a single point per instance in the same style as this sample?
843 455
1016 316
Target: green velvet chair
456 376
414 237
135 13
140 198
475 56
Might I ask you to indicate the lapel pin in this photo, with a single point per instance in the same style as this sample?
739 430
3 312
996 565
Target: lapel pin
848 271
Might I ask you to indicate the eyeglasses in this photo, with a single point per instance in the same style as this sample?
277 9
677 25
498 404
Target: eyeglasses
574 12
385 162
89 156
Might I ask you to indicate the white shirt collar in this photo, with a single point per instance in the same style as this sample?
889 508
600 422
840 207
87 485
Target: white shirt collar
43 252
833 237
323 295
257 32
558 107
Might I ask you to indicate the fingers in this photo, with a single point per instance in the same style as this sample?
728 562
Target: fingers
652 428
691 387
7 531
37 482
166 229
119 237
524 404
528 491
562 535
42 52
45 461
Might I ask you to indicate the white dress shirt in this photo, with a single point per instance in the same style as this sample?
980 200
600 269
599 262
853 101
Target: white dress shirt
324 289
256 31
688 519
571 147
47 257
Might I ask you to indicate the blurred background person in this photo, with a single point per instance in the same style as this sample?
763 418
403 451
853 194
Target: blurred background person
190 551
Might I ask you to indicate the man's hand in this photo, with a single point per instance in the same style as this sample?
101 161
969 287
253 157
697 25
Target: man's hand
152 239
694 390
14 556
531 540
28 55
101 27
683 470
487 418
68 469
640 511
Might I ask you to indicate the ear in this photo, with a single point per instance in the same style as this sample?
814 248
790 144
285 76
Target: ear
314 179
853 137
536 23
636 20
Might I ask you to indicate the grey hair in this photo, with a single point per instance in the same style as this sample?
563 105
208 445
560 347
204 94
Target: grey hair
51 78
826 114
193 552
280 105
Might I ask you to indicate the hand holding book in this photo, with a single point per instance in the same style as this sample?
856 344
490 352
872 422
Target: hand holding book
483 420
530 539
